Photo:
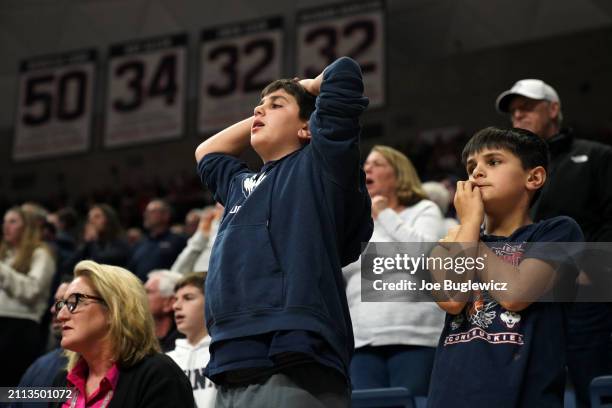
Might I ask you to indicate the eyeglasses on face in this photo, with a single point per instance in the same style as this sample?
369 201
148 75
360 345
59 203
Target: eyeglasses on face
73 300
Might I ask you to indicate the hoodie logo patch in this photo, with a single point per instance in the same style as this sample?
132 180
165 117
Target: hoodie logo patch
249 184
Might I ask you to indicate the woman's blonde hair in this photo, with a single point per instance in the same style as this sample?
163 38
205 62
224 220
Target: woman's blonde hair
132 330
408 189
30 240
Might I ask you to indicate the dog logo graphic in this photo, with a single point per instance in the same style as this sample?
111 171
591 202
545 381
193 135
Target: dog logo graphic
510 318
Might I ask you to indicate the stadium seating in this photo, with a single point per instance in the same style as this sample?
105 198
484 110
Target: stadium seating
601 392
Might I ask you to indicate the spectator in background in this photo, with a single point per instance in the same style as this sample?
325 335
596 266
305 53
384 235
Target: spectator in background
191 353
103 238
578 186
159 249
38 212
192 220
395 342
55 328
440 195
66 222
26 271
44 370
113 354
134 236
196 254
160 294
48 235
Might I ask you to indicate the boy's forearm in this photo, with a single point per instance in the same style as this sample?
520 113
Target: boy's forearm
517 289
341 100
524 283
460 242
451 301
232 140
468 233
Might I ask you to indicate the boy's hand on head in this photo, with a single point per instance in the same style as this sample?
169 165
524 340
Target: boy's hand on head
312 86
469 205
379 203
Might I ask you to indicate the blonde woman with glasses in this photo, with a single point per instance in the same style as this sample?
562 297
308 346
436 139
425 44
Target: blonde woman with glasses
113 355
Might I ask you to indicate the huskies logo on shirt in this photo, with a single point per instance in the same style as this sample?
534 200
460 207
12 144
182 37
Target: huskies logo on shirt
510 253
510 318
481 311
484 319
249 184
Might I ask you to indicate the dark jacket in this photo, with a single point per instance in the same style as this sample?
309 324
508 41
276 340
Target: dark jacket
114 252
157 252
579 185
41 373
155 381
288 230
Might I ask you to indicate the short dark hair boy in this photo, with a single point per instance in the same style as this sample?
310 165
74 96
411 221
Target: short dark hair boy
191 353
531 150
276 305
305 100
504 349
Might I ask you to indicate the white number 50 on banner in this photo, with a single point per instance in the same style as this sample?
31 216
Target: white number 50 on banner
355 30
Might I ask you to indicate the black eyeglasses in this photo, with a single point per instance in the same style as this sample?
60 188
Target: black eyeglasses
73 301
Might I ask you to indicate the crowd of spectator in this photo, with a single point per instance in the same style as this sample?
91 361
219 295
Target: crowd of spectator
77 274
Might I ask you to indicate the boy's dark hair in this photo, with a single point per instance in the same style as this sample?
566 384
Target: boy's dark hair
196 279
531 150
305 100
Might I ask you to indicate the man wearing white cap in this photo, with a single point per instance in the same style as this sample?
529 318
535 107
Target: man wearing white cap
533 105
579 185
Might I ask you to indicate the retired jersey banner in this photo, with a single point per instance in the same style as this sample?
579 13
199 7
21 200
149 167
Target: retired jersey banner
236 62
145 99
356 30
55 103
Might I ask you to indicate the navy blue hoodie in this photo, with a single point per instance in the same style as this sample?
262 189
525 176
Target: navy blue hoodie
288 230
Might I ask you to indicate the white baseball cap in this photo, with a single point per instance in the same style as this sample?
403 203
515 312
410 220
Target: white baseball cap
530 88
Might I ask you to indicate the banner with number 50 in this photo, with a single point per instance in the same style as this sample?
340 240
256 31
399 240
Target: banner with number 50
55 105
146 91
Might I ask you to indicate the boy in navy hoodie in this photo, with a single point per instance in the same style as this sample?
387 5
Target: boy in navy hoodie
503 348
276 307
